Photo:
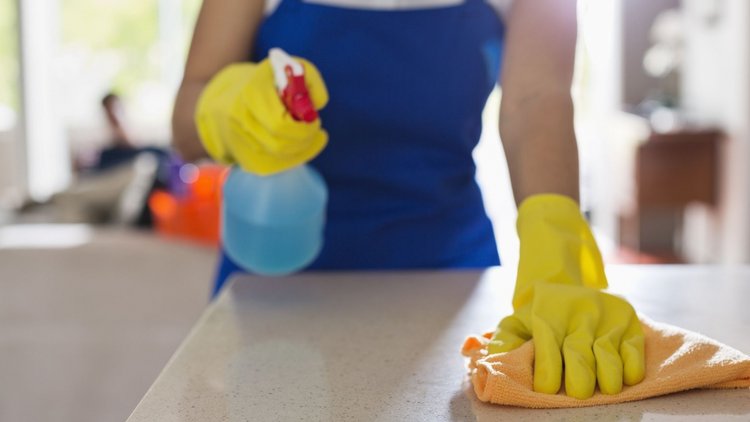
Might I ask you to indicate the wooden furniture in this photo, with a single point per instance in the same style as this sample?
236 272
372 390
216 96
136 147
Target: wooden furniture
672 171
385 347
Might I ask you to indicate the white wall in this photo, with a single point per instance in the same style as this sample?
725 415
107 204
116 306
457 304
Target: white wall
11 170
637 18
598 95
716 90
44 144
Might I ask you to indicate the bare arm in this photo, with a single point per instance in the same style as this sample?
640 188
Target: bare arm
224 34
536 113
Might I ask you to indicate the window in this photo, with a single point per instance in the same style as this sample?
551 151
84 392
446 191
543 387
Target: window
136 49
9 94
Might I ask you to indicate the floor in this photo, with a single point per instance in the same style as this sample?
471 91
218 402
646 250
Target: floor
88 318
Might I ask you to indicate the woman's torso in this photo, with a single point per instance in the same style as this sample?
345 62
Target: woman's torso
407 88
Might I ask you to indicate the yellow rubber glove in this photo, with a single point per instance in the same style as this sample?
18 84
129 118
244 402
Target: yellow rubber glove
241 119
594 336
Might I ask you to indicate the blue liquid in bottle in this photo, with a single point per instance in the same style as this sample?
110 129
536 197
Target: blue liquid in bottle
273 225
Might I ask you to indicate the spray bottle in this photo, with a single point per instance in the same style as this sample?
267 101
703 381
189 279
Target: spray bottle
273 225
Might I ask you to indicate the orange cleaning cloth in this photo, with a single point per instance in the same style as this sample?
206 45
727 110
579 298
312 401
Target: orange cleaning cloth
676 360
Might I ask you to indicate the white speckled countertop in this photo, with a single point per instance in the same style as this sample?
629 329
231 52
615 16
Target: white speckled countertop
385 347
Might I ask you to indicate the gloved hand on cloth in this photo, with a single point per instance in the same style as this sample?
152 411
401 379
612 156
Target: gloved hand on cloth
577 329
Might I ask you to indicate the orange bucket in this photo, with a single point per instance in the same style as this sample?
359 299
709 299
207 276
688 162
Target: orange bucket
196 214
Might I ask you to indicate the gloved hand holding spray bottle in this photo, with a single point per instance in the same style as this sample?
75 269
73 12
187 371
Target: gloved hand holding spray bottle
262 117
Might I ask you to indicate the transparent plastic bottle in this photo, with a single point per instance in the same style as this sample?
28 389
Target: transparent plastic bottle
273 225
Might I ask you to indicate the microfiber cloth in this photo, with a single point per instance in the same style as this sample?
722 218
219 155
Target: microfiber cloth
676 360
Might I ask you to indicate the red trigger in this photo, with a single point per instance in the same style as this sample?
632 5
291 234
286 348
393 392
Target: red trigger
296 98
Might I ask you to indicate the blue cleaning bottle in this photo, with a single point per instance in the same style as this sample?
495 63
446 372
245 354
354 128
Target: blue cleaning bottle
273 225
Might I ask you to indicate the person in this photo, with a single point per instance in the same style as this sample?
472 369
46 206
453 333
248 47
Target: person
400 87
116 148
121 147
112 185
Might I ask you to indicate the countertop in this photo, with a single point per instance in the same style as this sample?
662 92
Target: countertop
90 316
384 346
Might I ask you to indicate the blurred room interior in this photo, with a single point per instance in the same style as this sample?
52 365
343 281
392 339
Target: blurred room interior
121 234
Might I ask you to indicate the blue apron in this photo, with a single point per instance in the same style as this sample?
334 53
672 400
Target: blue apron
407 89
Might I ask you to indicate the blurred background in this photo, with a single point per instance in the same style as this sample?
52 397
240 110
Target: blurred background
108 240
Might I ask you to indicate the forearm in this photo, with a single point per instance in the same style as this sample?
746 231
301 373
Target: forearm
540 144
184 133
536 113
224 34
